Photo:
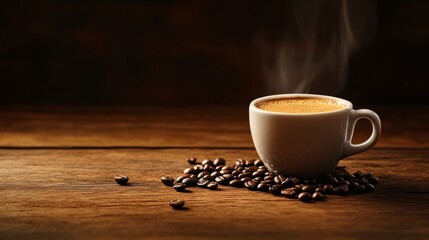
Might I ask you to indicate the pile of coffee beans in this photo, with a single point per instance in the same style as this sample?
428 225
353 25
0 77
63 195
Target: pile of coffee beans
253 175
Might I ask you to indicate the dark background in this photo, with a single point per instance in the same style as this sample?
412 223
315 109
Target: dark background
185 52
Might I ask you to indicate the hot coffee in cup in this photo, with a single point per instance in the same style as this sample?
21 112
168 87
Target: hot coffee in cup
304 135
300 105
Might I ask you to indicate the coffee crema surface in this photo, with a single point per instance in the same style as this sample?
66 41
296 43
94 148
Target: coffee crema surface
300 105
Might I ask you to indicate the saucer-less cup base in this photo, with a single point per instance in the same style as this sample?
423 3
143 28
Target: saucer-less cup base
308 144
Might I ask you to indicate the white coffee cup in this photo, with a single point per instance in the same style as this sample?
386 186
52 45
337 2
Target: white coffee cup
306 145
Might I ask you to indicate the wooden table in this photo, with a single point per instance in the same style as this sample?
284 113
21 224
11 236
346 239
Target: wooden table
57 166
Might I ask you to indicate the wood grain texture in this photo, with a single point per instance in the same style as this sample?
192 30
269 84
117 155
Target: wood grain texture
71 194
49 191
178 127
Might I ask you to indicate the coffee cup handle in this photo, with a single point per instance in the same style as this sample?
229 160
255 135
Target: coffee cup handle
350 148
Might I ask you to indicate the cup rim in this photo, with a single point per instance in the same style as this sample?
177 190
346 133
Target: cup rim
252 106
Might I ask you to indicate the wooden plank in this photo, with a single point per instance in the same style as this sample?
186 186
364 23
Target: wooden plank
179 127
70 194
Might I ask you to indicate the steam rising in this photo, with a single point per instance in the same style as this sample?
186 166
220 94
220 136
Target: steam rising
313 51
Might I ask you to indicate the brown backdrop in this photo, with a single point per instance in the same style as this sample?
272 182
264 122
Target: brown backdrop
185 52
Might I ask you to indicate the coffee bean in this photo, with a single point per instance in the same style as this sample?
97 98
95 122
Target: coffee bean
208 168
353 185
341 189
168 181
189 171
291 181
279 179
228 177
228 168
317 196
321 190
369 187
297 189
208 177
215 174
177 203
309 188
240 162
328 188
198 168
289 193
251 185
221 180
305 197
207 162
344 188
276 189
236 183
192 160
271 178
258 162
263 187
263 168
121 180
333 180
239 168
373 180
258 179
250 162
219 161
218 168
268 182
190 182
180 187
348 175
358 174
245 179
363 180
252 169
258 173
360 188
341 181
202 174
203 182
243 175
193 176
270 174
236 173
212 185
180 178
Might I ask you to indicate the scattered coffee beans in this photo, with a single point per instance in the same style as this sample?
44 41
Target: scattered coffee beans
309 188
168 181
212 185
305 197
317 196
219 162
190 181
236 183
253 175
180 187
276 189
192 160
121 180
203 182
177 203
